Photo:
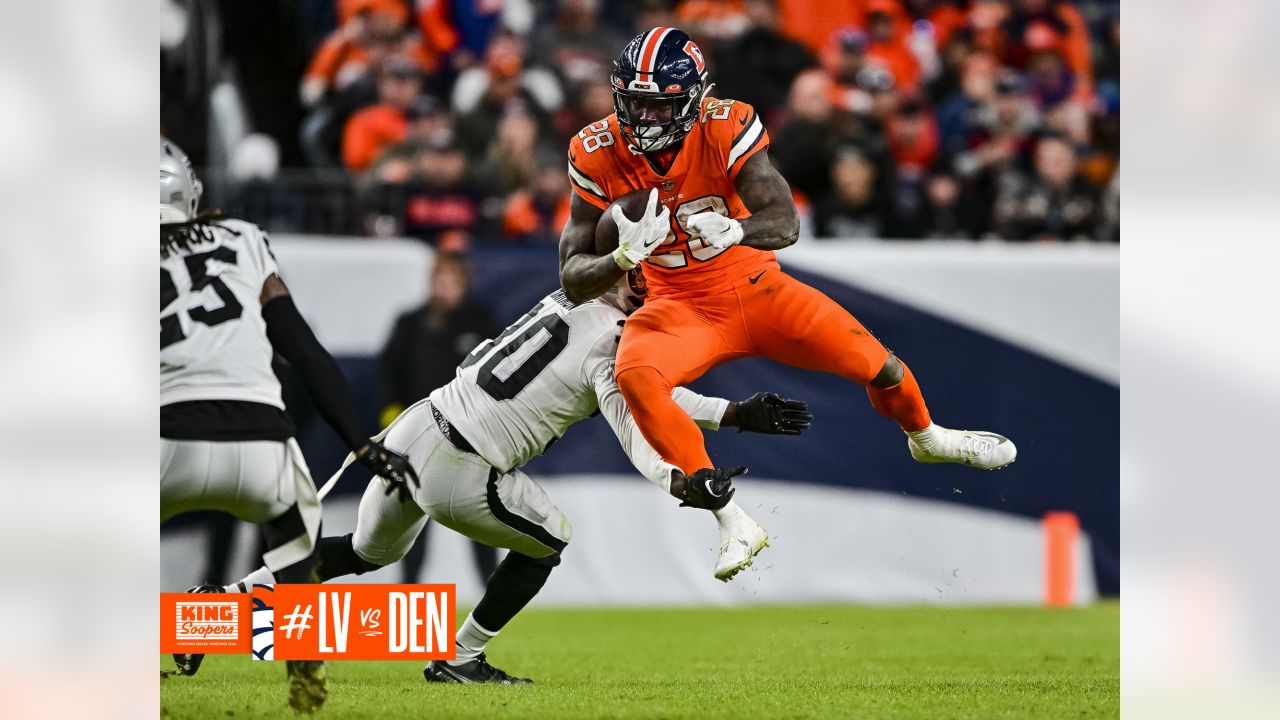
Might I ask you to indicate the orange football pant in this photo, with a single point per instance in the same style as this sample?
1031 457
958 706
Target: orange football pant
675 339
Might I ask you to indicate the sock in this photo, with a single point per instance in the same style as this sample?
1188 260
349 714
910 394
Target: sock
680 443
729 514
261 576
336 557
511 587
926 437
902 402
471 641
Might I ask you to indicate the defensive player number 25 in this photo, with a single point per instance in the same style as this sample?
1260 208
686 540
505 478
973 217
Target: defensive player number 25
197 268
698 247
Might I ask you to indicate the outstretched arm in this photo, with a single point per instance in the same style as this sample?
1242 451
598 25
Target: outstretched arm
584 275
766 413
774 223
291 336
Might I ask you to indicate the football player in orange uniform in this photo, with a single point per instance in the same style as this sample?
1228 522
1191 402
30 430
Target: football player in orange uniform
716 292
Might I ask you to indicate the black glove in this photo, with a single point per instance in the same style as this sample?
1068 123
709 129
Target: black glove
768 413
709 489
390 465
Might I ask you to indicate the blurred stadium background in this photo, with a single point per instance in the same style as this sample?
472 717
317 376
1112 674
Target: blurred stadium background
956 166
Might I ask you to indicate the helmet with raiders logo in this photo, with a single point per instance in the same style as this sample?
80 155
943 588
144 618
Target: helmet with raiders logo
180 190
659 82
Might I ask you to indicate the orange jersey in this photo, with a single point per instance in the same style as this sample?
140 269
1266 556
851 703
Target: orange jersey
602 168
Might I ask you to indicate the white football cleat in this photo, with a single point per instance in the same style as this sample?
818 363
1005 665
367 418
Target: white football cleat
741 539
936 444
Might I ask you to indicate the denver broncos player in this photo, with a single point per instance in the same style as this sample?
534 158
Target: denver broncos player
716 292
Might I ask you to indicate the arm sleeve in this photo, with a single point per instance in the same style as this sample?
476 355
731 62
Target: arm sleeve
618 415
293 339
705 411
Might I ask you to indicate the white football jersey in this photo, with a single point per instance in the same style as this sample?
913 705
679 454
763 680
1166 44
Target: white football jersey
213 340
518 392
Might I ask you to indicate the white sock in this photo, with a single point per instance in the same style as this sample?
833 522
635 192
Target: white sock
471 641
729 514
261 576
928 435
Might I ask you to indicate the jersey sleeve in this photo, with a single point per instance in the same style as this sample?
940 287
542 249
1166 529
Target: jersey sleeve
599 369
257 248
705 411
586 172
738 130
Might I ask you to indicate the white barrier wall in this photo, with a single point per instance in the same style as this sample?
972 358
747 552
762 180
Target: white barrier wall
632 545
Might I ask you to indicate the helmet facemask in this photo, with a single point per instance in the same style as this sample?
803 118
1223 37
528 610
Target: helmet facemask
653 121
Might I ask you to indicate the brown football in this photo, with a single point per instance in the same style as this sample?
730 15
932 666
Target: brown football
632 204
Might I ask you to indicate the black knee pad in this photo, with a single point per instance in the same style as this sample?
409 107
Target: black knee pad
891 373
336 557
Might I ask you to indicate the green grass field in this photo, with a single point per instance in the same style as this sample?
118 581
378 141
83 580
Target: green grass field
833 661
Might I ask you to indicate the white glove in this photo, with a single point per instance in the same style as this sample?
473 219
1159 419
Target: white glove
716 230
637 240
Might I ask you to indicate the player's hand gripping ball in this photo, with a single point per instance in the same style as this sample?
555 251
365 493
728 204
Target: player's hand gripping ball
631 241
716 230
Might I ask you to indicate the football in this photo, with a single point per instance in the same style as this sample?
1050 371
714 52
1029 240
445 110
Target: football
632 204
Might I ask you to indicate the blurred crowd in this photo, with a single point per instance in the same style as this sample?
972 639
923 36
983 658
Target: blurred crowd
964 119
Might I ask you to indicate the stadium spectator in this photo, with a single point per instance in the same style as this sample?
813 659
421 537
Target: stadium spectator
459 29
846 55
952 54
812 24
372 129
758 65
429 125
1000 144
1050 80
959 114
510 162
538 214
802 146
711 21
945 215
576 45
593 101
425 348
371 31
1035 24
853 208
887 43
483 96
442 207
946 17
912 133
1055 203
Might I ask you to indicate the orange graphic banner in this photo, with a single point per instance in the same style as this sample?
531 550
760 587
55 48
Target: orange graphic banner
364 622
205 623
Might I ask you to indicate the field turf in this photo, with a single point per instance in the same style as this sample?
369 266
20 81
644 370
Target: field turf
835 661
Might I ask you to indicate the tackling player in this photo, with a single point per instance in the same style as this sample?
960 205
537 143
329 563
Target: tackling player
716 290
226 442
513 397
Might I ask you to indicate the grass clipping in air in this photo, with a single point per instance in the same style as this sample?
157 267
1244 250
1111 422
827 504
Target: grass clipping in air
786 662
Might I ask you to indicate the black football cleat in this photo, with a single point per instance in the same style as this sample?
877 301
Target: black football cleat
189 664
468 673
